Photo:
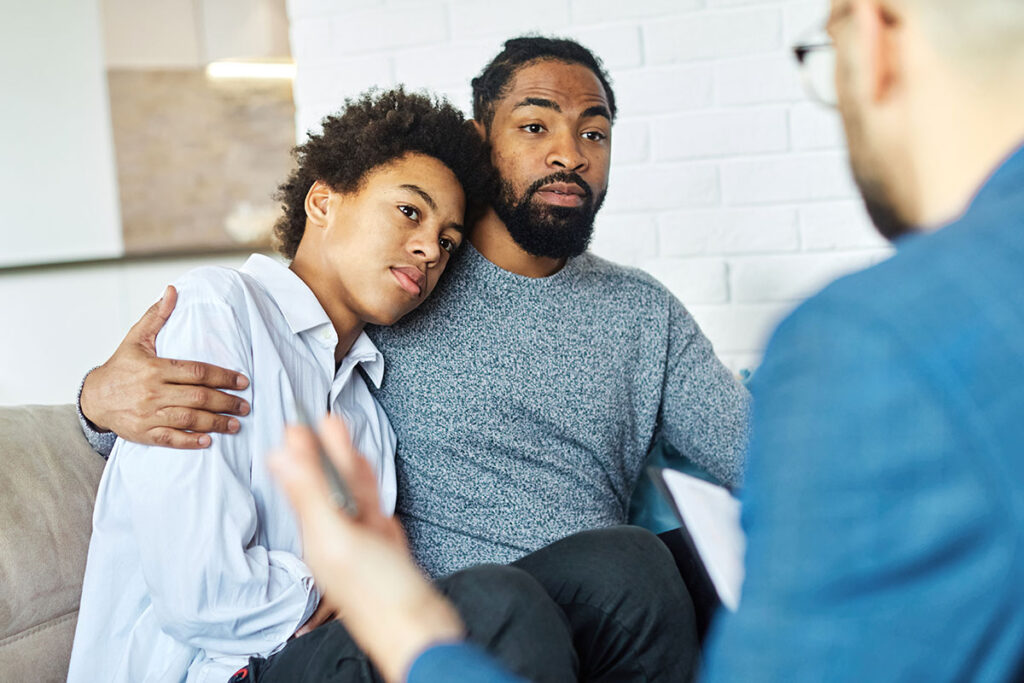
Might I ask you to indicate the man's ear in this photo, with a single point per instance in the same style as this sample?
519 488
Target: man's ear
878 28
317 201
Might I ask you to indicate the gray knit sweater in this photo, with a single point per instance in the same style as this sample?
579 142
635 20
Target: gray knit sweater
524 408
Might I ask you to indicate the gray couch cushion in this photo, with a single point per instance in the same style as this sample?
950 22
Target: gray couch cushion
48 480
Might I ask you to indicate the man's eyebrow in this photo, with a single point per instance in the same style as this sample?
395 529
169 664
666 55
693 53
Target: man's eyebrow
422 193
596 110
539 102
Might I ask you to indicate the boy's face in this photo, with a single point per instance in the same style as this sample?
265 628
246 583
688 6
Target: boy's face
385 245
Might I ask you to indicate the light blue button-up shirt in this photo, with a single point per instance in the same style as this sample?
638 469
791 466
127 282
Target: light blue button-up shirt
195 559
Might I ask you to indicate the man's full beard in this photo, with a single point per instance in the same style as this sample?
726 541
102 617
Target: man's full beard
549 231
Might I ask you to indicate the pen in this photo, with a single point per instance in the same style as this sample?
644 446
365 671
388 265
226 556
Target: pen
340 493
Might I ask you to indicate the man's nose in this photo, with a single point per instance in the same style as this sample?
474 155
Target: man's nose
566 153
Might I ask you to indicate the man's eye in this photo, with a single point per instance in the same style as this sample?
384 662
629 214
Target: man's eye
449 245
533 128
411 212
594 135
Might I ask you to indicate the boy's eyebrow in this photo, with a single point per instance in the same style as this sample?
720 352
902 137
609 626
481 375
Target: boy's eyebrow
596 110
539 102
422 193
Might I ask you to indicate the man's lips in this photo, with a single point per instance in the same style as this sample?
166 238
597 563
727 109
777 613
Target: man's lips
562 194
410 279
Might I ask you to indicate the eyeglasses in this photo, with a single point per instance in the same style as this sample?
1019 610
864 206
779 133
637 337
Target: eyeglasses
817 59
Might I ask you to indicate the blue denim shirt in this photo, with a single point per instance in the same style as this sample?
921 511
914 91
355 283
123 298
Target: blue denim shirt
884 500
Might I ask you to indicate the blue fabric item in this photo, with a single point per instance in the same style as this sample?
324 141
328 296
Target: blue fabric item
648 507
457 662
884 501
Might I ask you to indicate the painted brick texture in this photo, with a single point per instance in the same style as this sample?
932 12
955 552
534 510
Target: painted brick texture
727 184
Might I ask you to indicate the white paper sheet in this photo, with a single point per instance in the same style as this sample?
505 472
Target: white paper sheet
712 517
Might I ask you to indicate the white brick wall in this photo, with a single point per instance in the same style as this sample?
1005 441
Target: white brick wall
727 184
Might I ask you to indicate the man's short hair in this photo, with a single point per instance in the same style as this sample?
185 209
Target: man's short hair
371 131
494 81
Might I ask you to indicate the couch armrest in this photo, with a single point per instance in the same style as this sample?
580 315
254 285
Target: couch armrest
48 480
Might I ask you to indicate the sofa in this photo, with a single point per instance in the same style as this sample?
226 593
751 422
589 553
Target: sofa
48 485
48 482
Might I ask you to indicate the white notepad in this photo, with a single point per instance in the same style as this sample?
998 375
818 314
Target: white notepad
711 516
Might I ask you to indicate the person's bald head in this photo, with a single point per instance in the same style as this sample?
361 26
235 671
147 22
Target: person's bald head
931 93
984 36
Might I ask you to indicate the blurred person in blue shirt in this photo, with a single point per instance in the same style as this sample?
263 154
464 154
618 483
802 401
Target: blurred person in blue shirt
884 498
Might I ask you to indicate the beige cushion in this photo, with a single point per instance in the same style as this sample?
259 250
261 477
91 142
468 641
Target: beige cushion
48 480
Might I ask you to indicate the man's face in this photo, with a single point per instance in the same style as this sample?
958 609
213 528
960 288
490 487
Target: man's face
877 154
551 146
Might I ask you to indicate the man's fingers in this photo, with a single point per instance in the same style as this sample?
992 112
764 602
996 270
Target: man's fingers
174 438
203 398
193 420
202 374
152 321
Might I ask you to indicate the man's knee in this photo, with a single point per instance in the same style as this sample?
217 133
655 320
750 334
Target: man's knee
614 556
497 588
508 613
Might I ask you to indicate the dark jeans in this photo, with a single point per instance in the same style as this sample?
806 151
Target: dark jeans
604 605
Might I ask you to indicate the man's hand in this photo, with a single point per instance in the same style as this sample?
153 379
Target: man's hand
389 607
157 401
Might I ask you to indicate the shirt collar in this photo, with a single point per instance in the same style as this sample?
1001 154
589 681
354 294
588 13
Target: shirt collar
296 300
303 312
365 353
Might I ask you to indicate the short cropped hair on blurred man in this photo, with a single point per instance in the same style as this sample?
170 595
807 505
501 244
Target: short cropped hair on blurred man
885 490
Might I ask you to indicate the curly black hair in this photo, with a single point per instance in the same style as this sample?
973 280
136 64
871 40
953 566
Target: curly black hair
493 82
372 130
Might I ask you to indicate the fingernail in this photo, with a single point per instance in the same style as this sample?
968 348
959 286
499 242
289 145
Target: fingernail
167 290
233 426
243 408
204 440
241 382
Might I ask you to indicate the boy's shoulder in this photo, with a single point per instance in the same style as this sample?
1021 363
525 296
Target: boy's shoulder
214 285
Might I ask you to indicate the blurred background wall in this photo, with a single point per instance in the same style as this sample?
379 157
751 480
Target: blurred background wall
727 184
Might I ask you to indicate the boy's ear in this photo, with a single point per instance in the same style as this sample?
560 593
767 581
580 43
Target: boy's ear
480 129
317 200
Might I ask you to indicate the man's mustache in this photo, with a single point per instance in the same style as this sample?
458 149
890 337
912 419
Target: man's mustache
561 177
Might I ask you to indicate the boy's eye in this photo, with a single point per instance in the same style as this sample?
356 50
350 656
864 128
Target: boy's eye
594 135
449 245
410 212
533 128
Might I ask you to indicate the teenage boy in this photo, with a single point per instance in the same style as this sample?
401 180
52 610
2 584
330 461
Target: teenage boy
195 562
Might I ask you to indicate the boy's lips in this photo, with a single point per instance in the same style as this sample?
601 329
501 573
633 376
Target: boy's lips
410 279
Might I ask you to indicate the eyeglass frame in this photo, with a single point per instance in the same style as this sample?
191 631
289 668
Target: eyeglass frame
801 51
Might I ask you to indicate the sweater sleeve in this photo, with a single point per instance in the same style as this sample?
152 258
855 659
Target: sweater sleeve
705 411
101 442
